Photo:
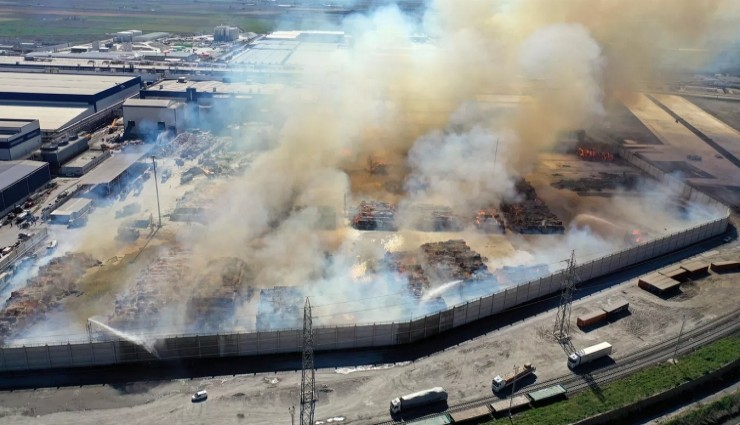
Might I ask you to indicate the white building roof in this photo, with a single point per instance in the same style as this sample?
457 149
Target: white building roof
70 84
51 118
72 206
150 103
13 171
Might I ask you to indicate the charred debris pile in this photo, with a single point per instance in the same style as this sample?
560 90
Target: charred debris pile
530 215
54 282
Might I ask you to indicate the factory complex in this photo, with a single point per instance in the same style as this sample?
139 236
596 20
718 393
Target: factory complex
169 204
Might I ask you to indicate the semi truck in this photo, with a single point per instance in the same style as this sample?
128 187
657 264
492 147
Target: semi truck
589 354
418 399
498 383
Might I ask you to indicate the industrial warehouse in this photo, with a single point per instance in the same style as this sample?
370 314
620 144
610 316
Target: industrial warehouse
364 196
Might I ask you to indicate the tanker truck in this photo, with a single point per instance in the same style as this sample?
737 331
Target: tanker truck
498 383
421 398
589 354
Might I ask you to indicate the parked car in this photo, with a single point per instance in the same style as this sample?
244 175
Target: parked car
199 396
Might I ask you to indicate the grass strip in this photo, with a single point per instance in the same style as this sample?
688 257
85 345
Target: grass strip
636 387
716 412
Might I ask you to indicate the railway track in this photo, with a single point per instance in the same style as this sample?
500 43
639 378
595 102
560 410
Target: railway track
623 366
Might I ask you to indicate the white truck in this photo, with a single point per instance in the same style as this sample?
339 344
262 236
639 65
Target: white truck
498 383
422 398
589 354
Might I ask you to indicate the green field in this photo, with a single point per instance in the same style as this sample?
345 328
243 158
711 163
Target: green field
639 386
83 20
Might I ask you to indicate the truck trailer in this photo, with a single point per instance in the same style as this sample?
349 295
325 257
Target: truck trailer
421 398
589 354
498 383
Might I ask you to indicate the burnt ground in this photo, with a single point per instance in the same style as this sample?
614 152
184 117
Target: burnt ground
361 394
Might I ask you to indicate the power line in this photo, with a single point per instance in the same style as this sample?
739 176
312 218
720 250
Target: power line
561 330
308 380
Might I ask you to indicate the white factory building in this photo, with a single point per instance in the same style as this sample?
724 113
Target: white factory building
63 103
18 138
225 33
149 117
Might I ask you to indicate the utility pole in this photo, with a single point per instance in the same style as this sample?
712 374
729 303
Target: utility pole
513 390
291 409
156 188
678 341
561 330
308 381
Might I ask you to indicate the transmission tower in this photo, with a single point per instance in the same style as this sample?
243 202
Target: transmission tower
308 381
561 330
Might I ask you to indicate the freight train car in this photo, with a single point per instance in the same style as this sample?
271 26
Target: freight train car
471 415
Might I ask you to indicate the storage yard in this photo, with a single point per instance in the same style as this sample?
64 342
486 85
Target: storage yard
188 204
361 395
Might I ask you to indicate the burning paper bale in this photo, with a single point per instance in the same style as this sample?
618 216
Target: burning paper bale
438 262
594 154
489 220
530 216
375 215
454 260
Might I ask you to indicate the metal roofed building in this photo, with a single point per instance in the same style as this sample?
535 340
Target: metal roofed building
95 91
71 210
18 180
148 117
51 118
18 138
63 103
106 176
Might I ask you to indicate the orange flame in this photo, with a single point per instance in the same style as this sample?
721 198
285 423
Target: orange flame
594 155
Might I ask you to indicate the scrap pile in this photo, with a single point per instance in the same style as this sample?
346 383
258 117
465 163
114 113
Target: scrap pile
280 308
218 292
375 215
434 218
186 145
155 287
54 282
531 215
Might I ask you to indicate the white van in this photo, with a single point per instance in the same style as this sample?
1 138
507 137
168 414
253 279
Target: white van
199 396
52 245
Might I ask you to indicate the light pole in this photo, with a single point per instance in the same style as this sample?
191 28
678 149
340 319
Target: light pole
513 391
156 188
678 341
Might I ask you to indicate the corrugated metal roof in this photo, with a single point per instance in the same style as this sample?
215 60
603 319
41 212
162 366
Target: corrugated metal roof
69 84
113 167
72 206
14 171
149 103
51 118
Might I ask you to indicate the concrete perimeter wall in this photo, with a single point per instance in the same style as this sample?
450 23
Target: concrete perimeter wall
364 335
